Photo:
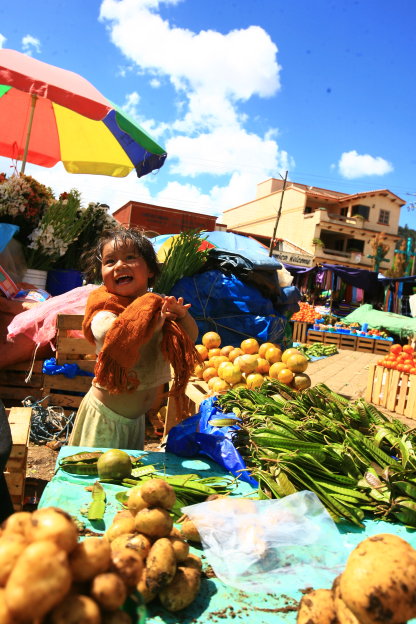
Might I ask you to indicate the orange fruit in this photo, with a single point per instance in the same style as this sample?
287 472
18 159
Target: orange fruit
230 373
273 354
212 381
208 373
297 363
275 369
199 369
226 350
301 381
263 366
235 353
250 345
247 362
214 351
263 348
216 360
211 340
254 380
202 350
219 386
285 376
292 351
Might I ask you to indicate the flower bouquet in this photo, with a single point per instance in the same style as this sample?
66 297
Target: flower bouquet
59 226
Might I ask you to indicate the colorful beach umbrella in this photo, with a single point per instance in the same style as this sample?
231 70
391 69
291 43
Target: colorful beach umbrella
49 114
227 241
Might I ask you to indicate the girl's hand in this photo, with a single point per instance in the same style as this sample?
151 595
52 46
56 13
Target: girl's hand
173 309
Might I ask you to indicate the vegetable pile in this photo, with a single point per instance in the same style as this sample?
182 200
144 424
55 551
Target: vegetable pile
400 358
318 349
306 313
374 587
351 455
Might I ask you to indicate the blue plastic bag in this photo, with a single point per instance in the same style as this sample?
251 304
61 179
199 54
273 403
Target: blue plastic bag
50 367
195 436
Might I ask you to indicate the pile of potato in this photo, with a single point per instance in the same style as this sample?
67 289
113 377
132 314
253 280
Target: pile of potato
378 585
47 575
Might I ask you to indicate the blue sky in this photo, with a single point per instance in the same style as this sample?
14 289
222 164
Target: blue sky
238 91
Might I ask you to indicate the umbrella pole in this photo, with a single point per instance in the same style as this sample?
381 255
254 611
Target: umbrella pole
29 130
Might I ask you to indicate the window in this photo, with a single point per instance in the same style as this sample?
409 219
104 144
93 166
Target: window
360 209
384 217
344 211
307 210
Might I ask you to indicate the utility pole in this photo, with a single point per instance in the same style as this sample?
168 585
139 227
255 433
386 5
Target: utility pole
278 215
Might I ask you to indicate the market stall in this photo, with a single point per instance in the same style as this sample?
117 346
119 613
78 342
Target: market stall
215 599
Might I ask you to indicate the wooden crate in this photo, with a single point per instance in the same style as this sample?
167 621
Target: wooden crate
392 389
365 344
382 346
71 348
196 392
14 388
314 336
15 473
332 338
348 342
299 331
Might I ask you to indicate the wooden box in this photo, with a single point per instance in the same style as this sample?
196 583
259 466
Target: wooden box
382 346
15 473
314 336
392 389
71 348
13 385
365 344
196 392
332 338
299 331
348 342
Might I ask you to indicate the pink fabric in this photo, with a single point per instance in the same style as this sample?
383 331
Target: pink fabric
39 323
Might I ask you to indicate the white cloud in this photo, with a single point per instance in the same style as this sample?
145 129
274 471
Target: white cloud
2 40
30 44
353 165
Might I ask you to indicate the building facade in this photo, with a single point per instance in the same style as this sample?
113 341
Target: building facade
336 228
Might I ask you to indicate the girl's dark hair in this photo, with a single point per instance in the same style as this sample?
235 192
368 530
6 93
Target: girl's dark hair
121 235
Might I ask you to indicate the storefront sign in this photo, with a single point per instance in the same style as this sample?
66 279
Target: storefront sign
288 257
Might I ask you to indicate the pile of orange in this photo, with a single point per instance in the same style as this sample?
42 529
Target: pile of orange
400 358
306 314
249 364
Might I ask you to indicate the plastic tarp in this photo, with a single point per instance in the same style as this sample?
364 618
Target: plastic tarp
224 304
403 326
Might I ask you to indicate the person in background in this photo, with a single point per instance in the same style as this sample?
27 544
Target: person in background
6 506
138 336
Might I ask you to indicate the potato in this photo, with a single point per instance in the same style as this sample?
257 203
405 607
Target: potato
76 609
90 557
6 616
135 502
116 617
160 564
182 591
128 564
175 533
52 523
123 513
39 581
109 591
192 561
317 607
155 522
139 543
146 593
158 493
180 548
121 527
378 583
343 614
190 532
121 540
17 523
11 547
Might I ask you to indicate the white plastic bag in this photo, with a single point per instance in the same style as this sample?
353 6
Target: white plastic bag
270 545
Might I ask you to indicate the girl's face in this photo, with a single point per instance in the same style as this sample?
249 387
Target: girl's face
123 270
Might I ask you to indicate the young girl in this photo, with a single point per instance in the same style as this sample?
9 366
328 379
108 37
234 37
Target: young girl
138 335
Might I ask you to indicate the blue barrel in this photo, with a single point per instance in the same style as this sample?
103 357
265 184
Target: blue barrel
60 281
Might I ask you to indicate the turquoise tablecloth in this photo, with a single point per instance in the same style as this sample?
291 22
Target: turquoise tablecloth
216 601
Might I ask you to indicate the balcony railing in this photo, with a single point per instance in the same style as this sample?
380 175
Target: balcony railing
337 218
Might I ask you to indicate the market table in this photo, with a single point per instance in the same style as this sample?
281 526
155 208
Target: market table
216 601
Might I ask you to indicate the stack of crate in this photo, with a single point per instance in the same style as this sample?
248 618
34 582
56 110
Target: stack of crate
392 389
15 473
